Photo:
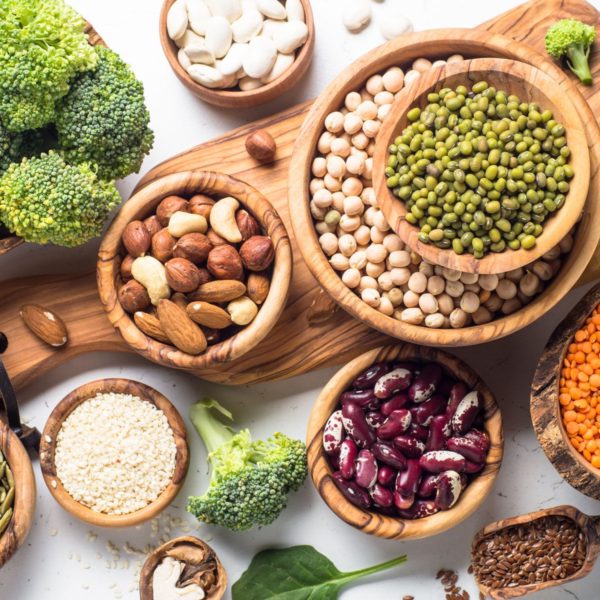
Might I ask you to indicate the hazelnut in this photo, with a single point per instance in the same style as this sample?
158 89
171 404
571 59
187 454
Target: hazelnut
152 225
169 206
215 239
201 205
258 285
224 262
213 336
133 297
247 224
163 244
136 238
193 246
126 268
182 275
257 253
180 299
261 146
205 276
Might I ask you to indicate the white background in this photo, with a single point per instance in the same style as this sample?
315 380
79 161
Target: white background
61 560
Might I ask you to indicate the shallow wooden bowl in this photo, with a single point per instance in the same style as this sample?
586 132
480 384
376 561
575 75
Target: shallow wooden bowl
375 523
24 504
236 98
545 407
530 85
434 44
144 203
48 447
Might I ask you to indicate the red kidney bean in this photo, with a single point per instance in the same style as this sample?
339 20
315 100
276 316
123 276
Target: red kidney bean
418 431
439 432
333 433
449 488
388 455
374 418
381 496
423 413
464 481
468 447
471 468
419 510
407 482
364 398
356 425
369 377
466 413
334 459
348 454
397 423
403 501
445 386
393 382
410 446
437 461
394 403
481 437
428 486
457 393
366 469
352 491
386 476
425 383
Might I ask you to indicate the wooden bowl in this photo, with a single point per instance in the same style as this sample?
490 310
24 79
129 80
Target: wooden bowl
236 98
375 523
530 85
24 504
436 44
48 447
179 547
545 407
142 204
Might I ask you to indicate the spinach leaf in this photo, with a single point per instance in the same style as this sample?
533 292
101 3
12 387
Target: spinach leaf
297 573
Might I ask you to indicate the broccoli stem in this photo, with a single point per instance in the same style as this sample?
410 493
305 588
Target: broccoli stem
214 432
577 59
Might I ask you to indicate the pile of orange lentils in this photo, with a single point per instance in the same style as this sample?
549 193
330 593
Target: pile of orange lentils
580 390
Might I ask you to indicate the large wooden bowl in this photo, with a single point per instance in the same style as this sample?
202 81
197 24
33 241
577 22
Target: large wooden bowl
236 98
375 523
401 52
545 407
48 447
143 204
24 504
530 85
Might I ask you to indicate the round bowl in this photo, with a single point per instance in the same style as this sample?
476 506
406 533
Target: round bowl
375 523
141 205
48 447
237 98
24 503
545 407
401 52
530 85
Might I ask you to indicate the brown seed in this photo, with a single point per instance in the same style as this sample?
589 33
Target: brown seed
168 206
45 324
261 146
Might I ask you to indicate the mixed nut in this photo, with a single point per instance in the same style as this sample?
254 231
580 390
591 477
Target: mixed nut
196 271
7 494
407 439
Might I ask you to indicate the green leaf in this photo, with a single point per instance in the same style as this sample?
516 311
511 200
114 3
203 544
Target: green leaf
297 573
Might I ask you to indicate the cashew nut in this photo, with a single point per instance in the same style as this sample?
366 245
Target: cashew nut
151 273
222 219
242 310
181 223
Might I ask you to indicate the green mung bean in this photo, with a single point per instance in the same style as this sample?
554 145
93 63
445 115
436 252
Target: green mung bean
7 494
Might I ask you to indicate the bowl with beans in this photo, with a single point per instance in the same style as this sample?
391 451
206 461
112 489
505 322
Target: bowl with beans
404 442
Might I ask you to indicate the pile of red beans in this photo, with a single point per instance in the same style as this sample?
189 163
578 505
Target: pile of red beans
407 440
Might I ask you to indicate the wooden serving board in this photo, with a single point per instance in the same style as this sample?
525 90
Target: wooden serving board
312 332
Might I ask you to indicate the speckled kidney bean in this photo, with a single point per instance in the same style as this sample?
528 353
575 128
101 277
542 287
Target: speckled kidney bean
381 496
457 393
356 425
425 383
449 488
466 413
368 378
428 486
347 458
408 480
394 403
437 461
410 446
393 382
364 398
397 423
423 413
481 437
333 433
439 431
418 431
472 468
386 476
375 419
468 447
419 510
388 455
352 491
366 469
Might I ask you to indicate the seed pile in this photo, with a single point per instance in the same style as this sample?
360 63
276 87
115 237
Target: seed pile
548 549
480 170
7 494
449 579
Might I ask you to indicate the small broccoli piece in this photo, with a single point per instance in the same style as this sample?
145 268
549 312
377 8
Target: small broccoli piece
571 40
45 200
104 119
250 481
42 47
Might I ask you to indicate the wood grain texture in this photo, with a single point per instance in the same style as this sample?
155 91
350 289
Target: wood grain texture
590 527
48 447
375 523
237 98
545 408
530 85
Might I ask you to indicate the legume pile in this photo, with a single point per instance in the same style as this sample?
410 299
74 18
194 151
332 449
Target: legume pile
546 549
7 494
580 390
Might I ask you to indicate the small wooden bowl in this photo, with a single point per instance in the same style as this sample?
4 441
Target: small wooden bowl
236 98
375 523
170 548
530 85
24 504
144 203
48 447
545 407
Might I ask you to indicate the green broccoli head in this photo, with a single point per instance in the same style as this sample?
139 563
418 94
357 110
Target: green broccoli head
104 119
45 200
571 39
250 480
42 47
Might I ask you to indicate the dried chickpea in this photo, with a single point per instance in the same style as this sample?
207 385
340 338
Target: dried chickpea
481 315
436 285
322 198
374 85
411 299
455 288
385 306
371 128
374 269
399 258
396 296
352 123
367 110
360 141
511 305
347 244
324 144
362 235
319 166
445 304
458 318
316 185
353 206
352 186
411 76
340 147
428 303
383 98
355 165
529 284
338 200
417 282
351 278
339 262
376 253
334 122
414 316
329 243
349 224
469 302
435 321
371 297
336 166
380 221
383 111
506 289
401 275
385 281
368 197
422 65
393 243
488 282
367 282
393 79
377 236
353 101
358 260
333 184
543 270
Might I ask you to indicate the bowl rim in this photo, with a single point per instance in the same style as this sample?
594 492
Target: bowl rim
375 523
77 397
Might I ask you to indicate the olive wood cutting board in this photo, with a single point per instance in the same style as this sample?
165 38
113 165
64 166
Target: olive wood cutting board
312 332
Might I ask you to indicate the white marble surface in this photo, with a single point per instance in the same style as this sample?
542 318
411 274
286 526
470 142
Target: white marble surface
62 560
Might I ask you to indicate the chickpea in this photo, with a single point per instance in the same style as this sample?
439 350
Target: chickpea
352 123
362 235
352 186
417 282
369 216
359 153
367 282
317 212
374 269
484 296
494 304
367 110
371 128
414 316
340 147
472 287
339 262
455 58
355 165
329 243
365 96
333 184
358 260
353 101
369 197
428 304
319 167
510 306
469 302
400 276
481 315
530 284
542 269
376 253
552 254
488 282
469 278
316 185
380 221
436 285
334 122
324 145
451 274
426 269
374 85
349 224
385 306
377 236
371 297
338 201
435 321
415 259
351 278
411 76
445 304
438 63
383 111
411 299
371 148
515 275
399 258
566 244
385 281
454 289
396 296
353 206
347 244
336 166
458 318
360 141
322 227
393 79
393 243
506 289
322 198
368 172
421 65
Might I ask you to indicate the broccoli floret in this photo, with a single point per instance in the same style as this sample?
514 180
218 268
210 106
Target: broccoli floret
250 481
42 47
571 39
104 119
45 200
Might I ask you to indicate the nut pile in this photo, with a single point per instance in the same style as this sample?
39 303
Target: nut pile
202 264
237 43
407 440
546 549
369 257
7 494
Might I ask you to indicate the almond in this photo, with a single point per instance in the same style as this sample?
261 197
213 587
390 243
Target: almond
45 324
180 299
180 329
258 287
136 238
182 275
150 325
208 315
221 290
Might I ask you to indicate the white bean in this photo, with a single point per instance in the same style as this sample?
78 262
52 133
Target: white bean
428 303
290 36
177 19
261 57
394 24
282 63
435 321
248 26
198 15
417 282
506 289
294 10
469 302
357 15
436 285
458 318
273 9
219 37
414 316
